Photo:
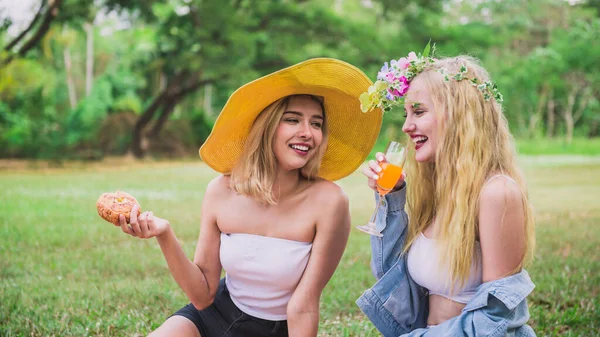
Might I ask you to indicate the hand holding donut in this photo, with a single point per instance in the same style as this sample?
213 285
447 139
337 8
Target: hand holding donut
122 209
144 226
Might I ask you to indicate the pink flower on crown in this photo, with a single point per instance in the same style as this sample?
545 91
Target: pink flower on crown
390 77
405 61
404 85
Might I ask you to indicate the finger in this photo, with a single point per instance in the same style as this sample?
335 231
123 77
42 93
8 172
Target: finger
133 216
124 226
371 177
369 172
380 157
150 226
134 222
143 221
375 167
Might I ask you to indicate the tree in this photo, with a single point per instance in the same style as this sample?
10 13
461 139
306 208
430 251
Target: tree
31 36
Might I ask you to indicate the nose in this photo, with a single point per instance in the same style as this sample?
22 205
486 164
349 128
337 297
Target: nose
408 126
304 131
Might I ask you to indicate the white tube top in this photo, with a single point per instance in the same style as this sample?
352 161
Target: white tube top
423 263
262 272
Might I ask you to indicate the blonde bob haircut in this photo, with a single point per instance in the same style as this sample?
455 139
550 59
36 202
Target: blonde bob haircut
255 171
475 143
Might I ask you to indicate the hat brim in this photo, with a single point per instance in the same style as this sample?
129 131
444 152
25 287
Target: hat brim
352 133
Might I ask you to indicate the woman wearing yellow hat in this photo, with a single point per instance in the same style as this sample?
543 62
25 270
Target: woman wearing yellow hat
273 221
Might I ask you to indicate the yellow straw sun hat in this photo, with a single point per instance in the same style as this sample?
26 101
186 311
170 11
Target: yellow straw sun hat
352 133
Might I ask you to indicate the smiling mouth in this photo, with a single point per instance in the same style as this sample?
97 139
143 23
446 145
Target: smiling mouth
301 149
419 141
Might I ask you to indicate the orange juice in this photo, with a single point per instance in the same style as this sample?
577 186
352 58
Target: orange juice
388 178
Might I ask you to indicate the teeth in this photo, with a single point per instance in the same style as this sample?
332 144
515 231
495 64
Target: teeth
300 147
419 138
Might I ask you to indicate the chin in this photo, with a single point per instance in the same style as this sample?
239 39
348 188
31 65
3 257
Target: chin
423 158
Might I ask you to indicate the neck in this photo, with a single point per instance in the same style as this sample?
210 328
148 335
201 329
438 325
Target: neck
286 183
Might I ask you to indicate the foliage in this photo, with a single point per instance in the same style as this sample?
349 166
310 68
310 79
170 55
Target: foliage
153 58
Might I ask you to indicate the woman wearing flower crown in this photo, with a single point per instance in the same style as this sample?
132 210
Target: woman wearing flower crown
273 221
457 234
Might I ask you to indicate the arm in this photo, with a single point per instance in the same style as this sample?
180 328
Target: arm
391 221
501 229
332 231
199 280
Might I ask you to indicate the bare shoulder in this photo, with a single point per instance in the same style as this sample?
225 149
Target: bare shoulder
500 191
218 188
329 204
501 206
325 191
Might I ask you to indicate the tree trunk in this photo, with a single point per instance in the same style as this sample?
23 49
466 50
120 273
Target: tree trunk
169 106
584 100
568 115
48 17
537 116
137 148
20 37
168 99
70 82
551 115
44 26
89 63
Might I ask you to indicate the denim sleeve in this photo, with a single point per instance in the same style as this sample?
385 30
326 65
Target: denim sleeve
392 222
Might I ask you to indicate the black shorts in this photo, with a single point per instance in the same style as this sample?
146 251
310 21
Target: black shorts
223 318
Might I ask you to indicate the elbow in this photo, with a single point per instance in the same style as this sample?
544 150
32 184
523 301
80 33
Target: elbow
202 304
296 311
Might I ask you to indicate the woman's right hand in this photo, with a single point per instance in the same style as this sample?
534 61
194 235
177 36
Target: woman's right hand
144 226
373 170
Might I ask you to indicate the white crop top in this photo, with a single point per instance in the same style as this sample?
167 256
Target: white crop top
424 267
262 272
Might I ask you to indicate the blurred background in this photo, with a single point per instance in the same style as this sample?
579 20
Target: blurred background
88 88
91 79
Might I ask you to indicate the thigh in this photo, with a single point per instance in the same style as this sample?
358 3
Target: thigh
176 326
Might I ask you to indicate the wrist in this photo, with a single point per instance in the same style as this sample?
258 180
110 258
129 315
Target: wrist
166 230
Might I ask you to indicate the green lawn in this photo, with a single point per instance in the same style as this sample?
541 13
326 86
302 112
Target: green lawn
66 272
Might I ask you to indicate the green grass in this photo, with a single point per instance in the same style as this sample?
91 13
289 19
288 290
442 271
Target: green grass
579 146
66 272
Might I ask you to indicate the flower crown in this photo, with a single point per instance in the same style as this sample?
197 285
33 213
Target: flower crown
393 81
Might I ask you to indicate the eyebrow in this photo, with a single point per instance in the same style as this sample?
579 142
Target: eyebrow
301 114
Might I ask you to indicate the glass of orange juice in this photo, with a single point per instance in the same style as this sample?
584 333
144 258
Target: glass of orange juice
391 171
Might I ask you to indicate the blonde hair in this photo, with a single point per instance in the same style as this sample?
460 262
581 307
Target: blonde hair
255 171
475 143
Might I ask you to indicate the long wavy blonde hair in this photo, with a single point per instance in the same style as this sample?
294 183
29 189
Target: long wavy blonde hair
474 143
255 171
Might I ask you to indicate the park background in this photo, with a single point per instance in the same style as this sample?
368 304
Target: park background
102 95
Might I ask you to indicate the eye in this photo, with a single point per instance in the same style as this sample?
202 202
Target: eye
291 120
318 125
419 112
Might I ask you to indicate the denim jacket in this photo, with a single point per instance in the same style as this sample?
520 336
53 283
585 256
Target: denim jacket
398 306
